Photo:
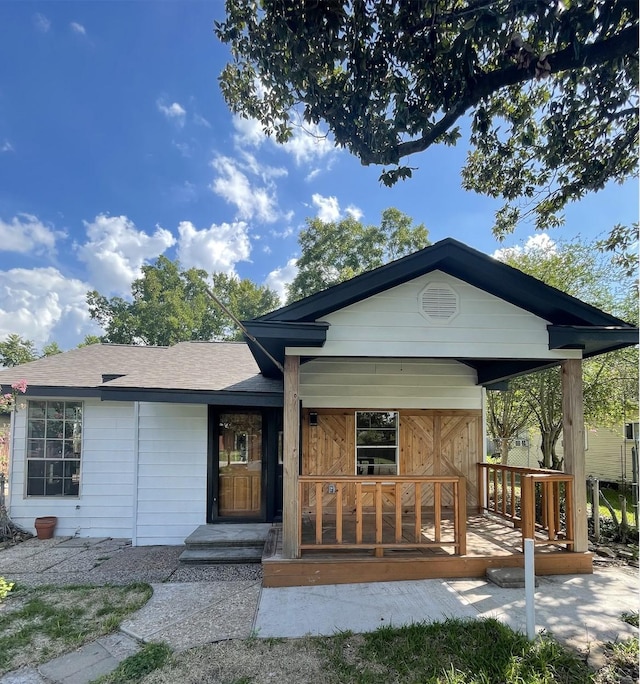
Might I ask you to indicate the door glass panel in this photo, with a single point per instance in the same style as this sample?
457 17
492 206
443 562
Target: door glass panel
240 465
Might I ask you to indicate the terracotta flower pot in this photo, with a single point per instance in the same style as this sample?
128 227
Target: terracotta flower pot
45 526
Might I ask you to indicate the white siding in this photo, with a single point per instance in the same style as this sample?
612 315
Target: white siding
390 324
172 472
104 506
607 454
382 383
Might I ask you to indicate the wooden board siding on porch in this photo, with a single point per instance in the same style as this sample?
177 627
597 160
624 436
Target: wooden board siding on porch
432 443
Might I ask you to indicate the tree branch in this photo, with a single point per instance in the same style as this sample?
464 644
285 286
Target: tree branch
624 43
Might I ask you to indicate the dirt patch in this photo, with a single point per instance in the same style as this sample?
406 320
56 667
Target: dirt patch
253 661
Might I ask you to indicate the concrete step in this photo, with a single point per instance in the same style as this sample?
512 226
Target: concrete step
508 578
225 536
229 554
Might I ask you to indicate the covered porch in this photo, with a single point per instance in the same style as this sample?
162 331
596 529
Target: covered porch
384 405
386 536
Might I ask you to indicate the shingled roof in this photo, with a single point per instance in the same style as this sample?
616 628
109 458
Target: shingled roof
197 372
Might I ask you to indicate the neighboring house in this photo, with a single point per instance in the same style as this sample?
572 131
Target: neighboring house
363 404
607 451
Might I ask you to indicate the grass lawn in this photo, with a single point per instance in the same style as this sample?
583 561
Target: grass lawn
613 497
450 652
38 624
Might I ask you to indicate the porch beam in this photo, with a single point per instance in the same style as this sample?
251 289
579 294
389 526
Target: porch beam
573 437
291 457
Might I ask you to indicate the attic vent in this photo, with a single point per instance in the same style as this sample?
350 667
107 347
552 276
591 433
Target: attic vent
439 303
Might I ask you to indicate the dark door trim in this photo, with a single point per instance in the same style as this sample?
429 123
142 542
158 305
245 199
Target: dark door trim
271 499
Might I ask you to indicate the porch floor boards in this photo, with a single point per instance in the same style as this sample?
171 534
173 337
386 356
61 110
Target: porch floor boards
491 543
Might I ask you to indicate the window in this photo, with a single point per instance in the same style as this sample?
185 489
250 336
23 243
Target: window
54 445
376 442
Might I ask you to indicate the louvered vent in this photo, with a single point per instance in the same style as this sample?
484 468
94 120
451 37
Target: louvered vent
438 303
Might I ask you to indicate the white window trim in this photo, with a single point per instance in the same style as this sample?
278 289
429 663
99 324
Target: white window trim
54 497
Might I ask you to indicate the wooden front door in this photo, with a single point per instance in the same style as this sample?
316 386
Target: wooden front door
240 465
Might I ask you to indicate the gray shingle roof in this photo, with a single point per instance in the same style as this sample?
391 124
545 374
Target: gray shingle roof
212 366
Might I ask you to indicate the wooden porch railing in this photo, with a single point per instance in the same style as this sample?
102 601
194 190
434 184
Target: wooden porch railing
325 500
533 499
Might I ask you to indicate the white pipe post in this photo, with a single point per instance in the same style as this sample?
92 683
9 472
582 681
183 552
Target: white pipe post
529 587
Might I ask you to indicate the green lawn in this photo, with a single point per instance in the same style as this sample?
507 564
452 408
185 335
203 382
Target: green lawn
613 497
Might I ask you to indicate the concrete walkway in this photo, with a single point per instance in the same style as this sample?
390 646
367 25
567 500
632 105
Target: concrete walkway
578 610
193 606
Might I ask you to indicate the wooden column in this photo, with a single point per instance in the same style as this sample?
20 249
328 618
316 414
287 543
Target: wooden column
291 448
573 437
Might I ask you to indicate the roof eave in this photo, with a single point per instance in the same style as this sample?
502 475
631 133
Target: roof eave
269 339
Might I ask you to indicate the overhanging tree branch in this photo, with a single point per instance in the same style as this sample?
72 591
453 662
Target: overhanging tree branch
618 46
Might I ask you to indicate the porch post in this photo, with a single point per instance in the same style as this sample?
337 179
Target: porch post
291 445
573 436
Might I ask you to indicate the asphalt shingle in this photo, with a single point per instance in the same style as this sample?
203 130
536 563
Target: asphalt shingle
212 366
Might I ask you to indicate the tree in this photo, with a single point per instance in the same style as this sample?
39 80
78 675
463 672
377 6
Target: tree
550 87
170 305
334 252
507 415
89 340
51 349
609 381
16 350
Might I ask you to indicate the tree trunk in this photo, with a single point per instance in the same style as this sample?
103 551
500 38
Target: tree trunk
504 451
550 458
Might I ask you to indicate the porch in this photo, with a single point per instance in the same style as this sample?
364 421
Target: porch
367 529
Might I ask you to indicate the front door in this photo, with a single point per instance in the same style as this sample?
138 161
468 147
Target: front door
240 446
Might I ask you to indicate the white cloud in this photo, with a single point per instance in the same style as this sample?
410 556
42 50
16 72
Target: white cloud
328 207
215 249
249 132
308 144
201 121
41 23
540 242
312 174
78 28
116 250
355 212
6 146
281 277
27 234
234 186
174 112
264 171
41 304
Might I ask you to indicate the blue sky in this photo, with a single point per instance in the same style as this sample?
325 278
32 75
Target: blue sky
116 146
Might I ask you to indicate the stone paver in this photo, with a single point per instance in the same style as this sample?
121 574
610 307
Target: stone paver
91 661
25 675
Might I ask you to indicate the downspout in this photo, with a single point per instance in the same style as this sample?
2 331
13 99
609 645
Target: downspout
136 468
